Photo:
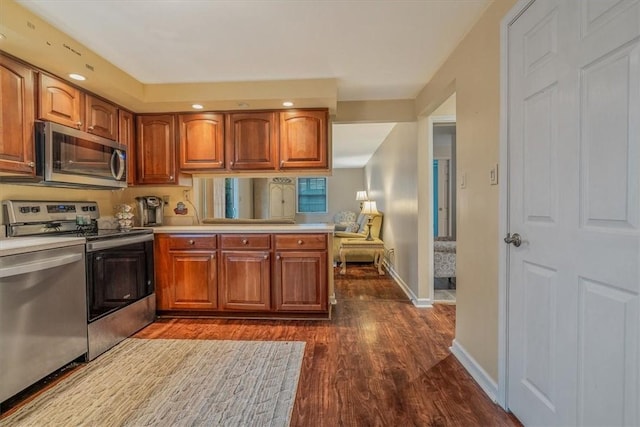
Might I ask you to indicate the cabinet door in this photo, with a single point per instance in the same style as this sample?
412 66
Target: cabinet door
126 136
60 102
193 278
252 141
245 281
101 118
303 140
301 281
16 117
201 141
156 149
282 201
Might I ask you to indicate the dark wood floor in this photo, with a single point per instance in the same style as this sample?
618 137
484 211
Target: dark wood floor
379 362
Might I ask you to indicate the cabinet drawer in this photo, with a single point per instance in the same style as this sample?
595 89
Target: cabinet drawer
301 241
193 242
245 241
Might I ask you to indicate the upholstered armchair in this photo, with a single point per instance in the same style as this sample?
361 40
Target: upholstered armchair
444 257
361 233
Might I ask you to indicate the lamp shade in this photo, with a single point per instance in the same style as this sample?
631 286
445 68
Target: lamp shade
361 195
369 208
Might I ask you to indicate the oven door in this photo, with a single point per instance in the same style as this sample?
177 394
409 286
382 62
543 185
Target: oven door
119 272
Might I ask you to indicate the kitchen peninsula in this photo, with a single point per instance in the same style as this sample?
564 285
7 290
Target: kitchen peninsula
257 270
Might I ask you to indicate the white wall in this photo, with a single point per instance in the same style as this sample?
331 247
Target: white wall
391 177
341 191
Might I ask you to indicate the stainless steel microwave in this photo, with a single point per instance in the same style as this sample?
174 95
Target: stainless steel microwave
68 157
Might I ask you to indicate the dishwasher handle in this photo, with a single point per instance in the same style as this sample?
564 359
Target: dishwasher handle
39 265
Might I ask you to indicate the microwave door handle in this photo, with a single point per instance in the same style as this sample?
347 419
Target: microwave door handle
117 155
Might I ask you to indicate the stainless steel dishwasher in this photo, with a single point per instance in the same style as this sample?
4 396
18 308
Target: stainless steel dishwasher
43 314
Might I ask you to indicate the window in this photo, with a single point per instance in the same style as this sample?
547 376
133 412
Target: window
312 195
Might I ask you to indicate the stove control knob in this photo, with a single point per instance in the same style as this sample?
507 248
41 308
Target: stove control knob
85 208
92 208
35 209
25 209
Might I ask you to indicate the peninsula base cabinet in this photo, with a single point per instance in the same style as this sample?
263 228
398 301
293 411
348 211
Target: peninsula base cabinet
255 275
186 272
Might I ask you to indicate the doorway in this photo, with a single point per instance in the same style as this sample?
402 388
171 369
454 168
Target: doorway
443 139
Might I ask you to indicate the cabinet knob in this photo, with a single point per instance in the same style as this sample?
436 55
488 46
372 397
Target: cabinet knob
192 242
231 163
281 163
78 125
278 256
213 256
300 242
266 257
31 165
245 241
171 177
90 128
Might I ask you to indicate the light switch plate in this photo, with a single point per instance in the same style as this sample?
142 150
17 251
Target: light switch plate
493 175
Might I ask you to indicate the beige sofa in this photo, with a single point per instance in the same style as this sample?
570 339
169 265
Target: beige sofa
365 256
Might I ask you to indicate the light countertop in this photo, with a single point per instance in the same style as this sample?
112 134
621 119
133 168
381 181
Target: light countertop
246 228
19 245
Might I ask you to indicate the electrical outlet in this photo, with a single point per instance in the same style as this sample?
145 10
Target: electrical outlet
185 194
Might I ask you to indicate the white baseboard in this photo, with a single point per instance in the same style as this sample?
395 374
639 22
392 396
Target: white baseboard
418 302
488 385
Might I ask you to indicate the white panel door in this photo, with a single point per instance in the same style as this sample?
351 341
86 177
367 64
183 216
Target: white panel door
443 198
574 197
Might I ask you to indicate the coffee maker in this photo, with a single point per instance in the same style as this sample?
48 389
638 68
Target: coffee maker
150 210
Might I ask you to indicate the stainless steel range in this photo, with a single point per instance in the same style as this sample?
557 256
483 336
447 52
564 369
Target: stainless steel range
119 265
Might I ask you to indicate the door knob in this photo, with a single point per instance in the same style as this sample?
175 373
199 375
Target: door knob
514 239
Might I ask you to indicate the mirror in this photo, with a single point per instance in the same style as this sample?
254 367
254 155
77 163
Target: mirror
245 198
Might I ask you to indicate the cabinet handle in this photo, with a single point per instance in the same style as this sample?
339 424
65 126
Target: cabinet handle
192 242
245 241
300 242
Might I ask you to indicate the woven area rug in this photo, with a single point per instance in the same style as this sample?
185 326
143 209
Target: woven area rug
174 383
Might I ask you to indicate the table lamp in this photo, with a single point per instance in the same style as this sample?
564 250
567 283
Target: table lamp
369 208
361 196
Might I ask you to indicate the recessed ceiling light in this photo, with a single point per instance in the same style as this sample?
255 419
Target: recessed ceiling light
287 104
197 106
79 77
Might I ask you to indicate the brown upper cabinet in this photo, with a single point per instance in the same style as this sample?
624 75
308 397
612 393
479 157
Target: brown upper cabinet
201 141
252 141
156 149
303 139
16 117
126 136
67 105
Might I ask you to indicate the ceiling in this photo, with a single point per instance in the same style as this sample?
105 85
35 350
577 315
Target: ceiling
375 50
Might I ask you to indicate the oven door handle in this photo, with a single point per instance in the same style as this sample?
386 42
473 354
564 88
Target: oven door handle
31 267
116 242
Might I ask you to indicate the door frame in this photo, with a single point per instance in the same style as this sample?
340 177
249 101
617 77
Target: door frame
503 221
431 121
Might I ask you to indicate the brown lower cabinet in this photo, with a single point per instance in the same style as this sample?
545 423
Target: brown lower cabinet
278 275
